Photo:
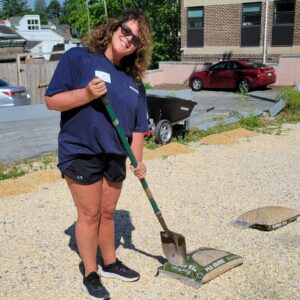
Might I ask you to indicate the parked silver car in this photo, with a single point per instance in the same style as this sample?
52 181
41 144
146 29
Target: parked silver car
12 95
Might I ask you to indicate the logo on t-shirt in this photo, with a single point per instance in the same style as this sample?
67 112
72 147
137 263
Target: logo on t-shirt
132 88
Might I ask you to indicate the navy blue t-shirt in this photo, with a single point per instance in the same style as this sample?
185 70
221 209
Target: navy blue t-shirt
88 129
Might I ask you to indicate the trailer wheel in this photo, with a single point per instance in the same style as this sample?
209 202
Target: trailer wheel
163 132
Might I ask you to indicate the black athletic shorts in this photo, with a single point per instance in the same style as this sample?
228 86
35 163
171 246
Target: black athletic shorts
88 169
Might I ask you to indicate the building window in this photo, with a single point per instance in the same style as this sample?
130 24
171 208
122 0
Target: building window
251 22
195 27
31 25
283 23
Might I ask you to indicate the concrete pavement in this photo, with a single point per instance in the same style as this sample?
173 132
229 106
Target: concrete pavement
32 130
27 138
226 104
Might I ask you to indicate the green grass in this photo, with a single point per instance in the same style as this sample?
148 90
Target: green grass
291 97
22 167
11 172
243 97
252 122
151 144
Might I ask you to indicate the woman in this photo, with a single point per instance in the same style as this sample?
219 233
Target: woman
91 156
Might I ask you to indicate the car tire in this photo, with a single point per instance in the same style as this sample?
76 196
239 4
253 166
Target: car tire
243 86
163 132
197 84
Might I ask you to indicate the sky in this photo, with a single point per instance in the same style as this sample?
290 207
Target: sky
31 2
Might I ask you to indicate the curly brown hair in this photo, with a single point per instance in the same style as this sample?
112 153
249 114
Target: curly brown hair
136 63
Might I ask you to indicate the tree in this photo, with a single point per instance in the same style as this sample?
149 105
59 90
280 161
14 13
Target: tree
54 11
114 9
40 6
164 17
12 8
74 13
40 9
165 20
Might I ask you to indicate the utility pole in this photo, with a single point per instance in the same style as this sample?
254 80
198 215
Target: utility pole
265 45
105 9
88 15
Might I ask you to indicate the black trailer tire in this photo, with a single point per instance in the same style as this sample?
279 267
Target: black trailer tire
163 132
197 84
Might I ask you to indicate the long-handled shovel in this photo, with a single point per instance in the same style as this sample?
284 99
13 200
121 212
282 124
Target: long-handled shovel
173 243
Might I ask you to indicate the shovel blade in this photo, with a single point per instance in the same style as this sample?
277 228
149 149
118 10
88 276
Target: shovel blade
174 247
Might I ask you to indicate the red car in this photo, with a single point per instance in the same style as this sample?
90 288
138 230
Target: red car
233 74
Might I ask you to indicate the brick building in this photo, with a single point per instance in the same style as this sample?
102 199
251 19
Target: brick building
261 30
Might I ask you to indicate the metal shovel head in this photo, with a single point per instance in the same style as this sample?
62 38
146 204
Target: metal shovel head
174 247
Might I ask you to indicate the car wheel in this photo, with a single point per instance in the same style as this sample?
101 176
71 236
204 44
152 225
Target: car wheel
163 132
244 86
197 84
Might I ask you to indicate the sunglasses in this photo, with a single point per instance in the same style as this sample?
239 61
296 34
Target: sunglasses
126 31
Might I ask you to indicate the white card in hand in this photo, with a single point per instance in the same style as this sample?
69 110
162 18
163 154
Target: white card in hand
103 75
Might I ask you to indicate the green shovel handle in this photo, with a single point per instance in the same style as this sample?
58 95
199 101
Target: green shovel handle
125 143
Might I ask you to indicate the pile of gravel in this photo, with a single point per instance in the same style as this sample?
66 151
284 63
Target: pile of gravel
200 194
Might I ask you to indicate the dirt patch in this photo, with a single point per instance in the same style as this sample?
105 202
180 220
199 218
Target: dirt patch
166 150
27 183
32 181
218 139
227 138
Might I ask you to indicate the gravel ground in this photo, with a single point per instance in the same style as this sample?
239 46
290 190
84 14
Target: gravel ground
200 194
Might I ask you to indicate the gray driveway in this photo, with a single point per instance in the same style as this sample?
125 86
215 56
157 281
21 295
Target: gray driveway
32 130
27 138
27 131
224 103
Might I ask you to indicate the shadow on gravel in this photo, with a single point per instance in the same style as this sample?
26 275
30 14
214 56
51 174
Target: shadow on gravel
123 236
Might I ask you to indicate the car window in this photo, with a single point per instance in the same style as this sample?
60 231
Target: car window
257 65
234 65
219 67
3 83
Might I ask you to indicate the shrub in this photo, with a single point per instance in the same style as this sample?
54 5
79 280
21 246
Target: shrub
148 86
291 96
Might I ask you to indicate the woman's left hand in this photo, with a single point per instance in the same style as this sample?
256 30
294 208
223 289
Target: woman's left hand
139 171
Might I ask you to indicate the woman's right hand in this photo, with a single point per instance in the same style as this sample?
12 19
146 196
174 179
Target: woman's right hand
96 88
70 99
